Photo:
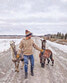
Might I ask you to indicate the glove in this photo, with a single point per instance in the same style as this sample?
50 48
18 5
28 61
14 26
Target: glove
18 56
42 50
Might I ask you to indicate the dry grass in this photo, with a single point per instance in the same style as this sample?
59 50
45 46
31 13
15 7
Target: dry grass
60 41
52 39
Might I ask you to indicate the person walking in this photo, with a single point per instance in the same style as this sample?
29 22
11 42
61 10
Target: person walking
26 46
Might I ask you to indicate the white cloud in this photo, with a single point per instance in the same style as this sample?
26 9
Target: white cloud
39 23
2 22
55 14
29 13
64 1
23 11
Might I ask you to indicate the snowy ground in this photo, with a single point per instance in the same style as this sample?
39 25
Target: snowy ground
59 46
5 44
49 74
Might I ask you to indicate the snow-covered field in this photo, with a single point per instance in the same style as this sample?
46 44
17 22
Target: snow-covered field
59 46
5 44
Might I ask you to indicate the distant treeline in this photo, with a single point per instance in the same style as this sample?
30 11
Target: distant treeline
15 36
11 36
59 35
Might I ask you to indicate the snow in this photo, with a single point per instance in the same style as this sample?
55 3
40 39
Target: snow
59 46
5 43
49 73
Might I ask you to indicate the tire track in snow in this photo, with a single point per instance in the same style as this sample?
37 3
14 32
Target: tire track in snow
59 72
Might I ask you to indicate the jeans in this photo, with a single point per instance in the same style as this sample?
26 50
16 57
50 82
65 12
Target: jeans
31 58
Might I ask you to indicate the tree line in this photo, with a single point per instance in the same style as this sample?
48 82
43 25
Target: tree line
59 35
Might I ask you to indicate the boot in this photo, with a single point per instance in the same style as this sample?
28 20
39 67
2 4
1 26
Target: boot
32 72
26 75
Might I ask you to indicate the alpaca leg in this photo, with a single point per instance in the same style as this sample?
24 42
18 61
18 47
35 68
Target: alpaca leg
40 60
52 60
48 61
17 66
22 65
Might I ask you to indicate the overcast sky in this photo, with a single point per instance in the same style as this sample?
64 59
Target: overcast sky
38 16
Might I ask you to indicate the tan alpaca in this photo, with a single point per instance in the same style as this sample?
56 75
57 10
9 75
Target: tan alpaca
14 56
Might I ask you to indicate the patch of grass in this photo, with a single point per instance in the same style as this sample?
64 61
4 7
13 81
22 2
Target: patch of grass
60 41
